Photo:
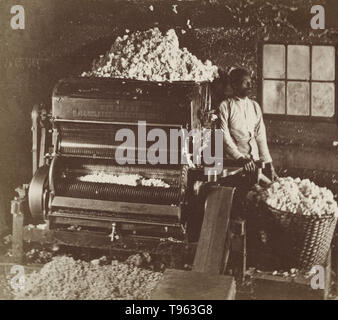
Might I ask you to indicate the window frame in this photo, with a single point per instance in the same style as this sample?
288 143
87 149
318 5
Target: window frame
260 79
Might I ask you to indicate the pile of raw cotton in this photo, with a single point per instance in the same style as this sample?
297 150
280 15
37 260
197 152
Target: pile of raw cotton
151 56
67 279
133 180
299 197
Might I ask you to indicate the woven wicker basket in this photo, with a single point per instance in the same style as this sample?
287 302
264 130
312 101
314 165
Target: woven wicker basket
303 240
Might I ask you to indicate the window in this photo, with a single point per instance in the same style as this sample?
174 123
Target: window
299 80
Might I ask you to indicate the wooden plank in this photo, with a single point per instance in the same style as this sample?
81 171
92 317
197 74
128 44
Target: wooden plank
212 243
328 275
269 287
191 285
17 242
277 287
115 206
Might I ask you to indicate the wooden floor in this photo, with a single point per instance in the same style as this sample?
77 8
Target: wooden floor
192 285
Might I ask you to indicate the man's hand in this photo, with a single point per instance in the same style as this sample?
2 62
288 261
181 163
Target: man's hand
248 164
271 172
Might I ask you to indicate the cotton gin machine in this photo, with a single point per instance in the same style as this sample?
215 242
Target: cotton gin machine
81 195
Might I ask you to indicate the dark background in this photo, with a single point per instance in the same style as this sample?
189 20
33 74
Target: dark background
62 37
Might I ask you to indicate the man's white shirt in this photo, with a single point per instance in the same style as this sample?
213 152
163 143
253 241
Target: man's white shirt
244 132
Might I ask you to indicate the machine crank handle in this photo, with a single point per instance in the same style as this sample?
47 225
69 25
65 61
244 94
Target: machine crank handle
260 165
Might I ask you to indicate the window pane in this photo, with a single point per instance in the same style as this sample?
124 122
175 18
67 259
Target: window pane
323 99
274 61
298 62
323 63
274 97
298 99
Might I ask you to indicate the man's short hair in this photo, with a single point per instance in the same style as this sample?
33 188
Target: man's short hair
236 75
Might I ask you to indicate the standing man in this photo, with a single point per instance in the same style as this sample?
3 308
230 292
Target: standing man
242 124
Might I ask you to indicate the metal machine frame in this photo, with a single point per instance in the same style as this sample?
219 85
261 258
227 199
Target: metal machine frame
210 250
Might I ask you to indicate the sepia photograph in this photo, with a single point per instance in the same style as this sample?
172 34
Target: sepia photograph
168 150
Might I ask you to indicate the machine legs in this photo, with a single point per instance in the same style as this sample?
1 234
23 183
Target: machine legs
237 259
18 208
